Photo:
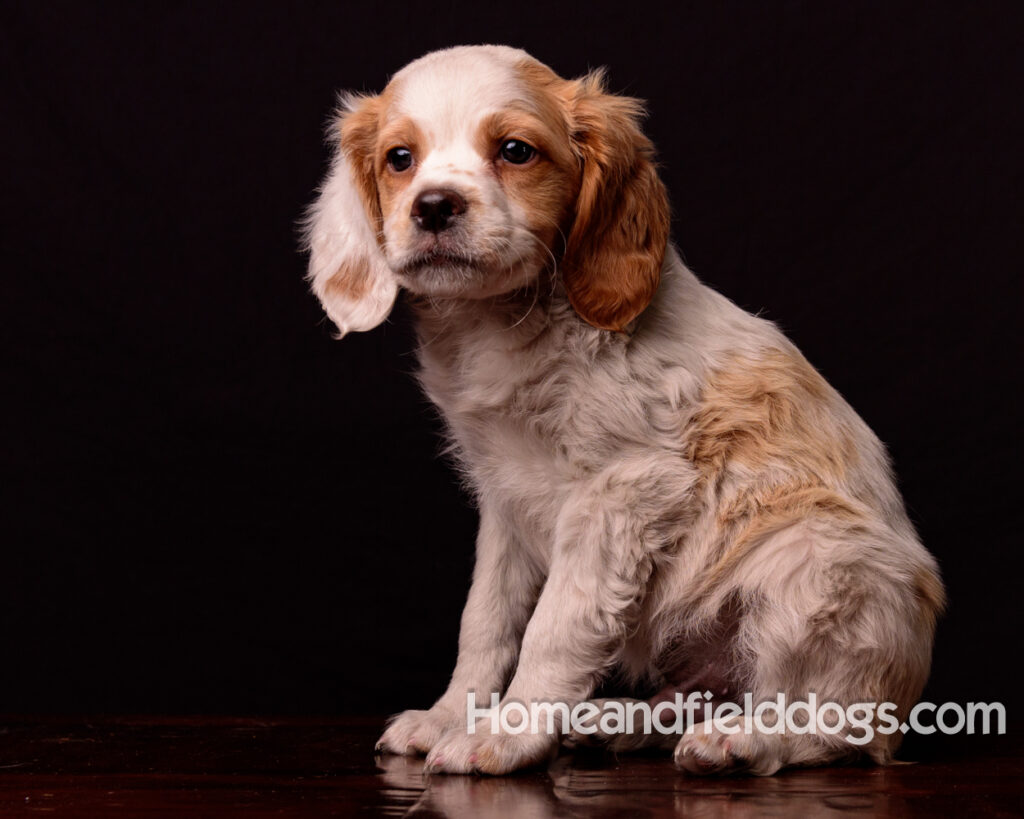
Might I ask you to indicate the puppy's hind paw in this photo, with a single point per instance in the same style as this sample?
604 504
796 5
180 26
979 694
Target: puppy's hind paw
705 750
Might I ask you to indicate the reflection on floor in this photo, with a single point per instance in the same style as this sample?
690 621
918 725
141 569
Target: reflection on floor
313 767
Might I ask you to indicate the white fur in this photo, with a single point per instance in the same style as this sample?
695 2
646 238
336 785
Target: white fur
597 535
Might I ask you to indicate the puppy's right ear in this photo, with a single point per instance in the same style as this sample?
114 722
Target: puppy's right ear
347 269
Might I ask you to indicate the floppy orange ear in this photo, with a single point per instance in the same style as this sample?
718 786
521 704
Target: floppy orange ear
615 249
347 270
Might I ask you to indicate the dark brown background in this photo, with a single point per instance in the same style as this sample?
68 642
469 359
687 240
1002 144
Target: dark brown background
209 505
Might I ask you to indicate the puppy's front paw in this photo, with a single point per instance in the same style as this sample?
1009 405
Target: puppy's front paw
460 752
416 732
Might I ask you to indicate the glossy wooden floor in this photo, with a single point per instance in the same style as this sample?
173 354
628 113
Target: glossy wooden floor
222 766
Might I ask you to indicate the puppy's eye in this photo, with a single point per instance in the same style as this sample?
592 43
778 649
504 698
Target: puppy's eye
517 152
400 159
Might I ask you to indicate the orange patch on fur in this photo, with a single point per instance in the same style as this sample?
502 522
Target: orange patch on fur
758 412
350 282
614 253
545 187
367 135
760 417
359 130
402 132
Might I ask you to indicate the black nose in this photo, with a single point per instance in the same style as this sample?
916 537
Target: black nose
435 210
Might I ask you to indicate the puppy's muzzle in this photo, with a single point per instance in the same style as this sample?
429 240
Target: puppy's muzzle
437 209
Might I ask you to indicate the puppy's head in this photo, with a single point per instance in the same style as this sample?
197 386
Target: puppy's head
476 170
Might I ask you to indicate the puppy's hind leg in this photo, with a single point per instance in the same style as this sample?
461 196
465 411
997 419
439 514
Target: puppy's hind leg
847 630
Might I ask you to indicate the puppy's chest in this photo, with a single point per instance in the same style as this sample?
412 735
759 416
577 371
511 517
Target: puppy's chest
533 423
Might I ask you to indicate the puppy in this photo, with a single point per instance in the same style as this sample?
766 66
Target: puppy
670 495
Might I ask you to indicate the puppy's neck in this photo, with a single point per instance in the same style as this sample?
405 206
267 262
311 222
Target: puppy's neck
512 320
540 315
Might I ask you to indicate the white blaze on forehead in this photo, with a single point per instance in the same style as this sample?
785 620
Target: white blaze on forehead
446 93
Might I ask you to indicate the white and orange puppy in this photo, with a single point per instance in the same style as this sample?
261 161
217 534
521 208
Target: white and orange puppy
667 489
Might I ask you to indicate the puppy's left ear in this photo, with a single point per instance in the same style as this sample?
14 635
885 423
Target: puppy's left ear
615 249
347 269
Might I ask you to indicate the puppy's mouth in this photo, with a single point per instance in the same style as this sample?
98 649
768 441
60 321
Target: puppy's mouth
437 258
